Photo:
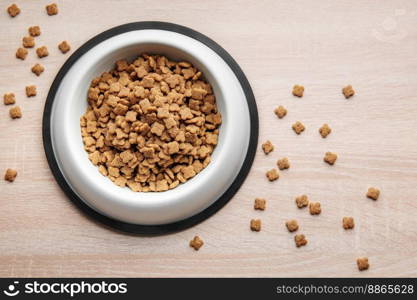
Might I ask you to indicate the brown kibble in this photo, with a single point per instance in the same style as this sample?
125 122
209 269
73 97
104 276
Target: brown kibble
280 111
325 130
38 69
15 112
301 201
42 52
13 10
348 223
196 243
9 98
300 240
298 127
272 175
267 147
330 158
10 175
298 90
283 163
28 42
34 31
259 204
255 225
373 193
315 208
31 91
348 91
292 225
21 53
52 9
64 47
362 263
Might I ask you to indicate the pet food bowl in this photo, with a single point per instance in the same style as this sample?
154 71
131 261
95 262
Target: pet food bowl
152 212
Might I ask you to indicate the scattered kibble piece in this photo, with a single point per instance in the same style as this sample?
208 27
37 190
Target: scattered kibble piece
325 130
330 158
9 98
348 223
13 10
42 52
362 263
31 91
38 69
298 127
15 112
255 225
259 204
283 163
315 208
64 47
348 91
51 9
280 111
21 53
34 30
267 147
298 90
301 201
300 240
196 243
272 175
28 42
292 225
10 175
373 193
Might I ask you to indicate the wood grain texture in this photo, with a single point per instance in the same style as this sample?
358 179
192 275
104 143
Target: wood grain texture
322 45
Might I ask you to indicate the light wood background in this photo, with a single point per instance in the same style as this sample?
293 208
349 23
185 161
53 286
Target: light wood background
323 45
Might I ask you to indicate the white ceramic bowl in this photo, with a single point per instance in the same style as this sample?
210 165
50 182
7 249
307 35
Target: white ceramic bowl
67 102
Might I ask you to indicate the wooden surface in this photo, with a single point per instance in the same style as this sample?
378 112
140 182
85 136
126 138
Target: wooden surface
323 45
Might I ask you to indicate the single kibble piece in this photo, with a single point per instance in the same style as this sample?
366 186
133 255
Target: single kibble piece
325 130
28 42
298 127
34 31
362 263
42 52
315 208
373 193
272 175
13 10
348 223
298 90
9 98
283 163
280 111
301 201
348 91
196 243
267 147
15 112
255 225
300 240
64 47
38 69
330 158
10 175
52 9
292 225
21 53
31 91
259 204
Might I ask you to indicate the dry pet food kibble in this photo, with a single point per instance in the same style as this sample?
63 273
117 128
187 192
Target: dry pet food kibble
348 223
38 69
292 225
51 9
298 90
280 111
330 158
196 243
267 147
300 240
150 124
10 175
255 225
362 263
272 175
301 201
325 130
298 127
28 42
15 112
31 91
315 208
21 53
42 52
9 98
283 163
373 193
34 31
13 10
64 47
259 204
348 91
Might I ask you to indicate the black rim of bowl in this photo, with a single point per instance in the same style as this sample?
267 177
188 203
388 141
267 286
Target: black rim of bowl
165 228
